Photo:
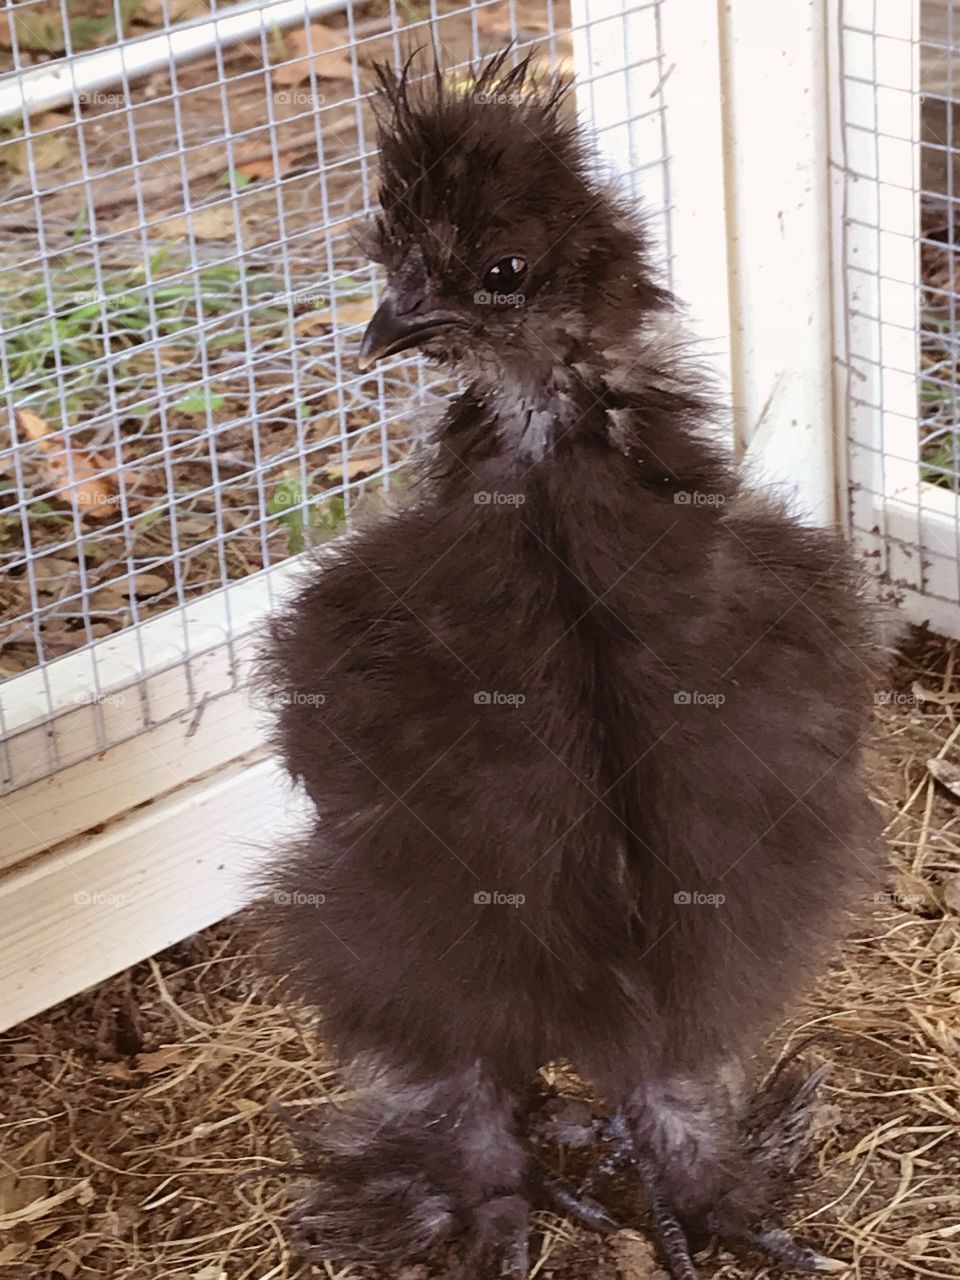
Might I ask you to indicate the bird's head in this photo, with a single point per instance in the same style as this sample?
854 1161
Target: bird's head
503 252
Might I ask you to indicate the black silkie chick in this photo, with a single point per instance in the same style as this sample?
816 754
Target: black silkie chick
581 723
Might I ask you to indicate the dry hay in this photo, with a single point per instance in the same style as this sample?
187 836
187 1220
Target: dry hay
140 1136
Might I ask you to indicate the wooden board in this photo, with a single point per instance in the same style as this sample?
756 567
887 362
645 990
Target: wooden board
102 902
155 763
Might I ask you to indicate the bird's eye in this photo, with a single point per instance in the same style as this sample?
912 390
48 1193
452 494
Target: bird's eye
505 275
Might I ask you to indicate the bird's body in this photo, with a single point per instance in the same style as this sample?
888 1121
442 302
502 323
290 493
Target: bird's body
581 723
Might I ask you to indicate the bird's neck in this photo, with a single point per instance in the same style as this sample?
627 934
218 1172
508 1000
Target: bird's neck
532 412
637 420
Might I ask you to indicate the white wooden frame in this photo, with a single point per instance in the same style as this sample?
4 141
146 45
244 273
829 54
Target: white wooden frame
907 527
775 87
96 904
53 84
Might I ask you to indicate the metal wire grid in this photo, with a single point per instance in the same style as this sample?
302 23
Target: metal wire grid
940 63
179 304
900 246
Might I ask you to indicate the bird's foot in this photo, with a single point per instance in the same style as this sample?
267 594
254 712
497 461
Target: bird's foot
582 1204
671 1230
773 1242
578 1204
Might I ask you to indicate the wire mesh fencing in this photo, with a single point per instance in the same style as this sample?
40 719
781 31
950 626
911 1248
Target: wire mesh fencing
181 296
899 144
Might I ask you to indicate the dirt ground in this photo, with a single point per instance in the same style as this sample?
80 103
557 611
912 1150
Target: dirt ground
140 1137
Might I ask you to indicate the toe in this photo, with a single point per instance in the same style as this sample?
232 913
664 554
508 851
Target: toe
779 1245
578 1205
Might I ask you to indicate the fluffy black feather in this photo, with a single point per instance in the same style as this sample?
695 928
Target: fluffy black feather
583 668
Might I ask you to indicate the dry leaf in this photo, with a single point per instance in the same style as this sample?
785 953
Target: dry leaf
916 1246
323 50
19 1189
358 312
348 313
145 1063
212 1271
150 584
14 1251
109 598
91 492
31 423
247 1106
169 1056
49 570
354 467
67 1260
24 1053
40 1208
25 1247
309 325
636 1256
947 774
48 150
118 1071
264 166
214 222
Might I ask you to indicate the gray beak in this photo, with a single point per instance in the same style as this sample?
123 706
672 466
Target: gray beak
393 329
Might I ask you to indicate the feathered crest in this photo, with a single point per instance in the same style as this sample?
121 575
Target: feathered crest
494 126
423 86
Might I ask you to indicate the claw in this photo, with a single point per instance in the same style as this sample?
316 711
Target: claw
779 1245
578 1205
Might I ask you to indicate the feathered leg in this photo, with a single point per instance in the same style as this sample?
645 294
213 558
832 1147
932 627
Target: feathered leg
406 1164
718 1160
712 1160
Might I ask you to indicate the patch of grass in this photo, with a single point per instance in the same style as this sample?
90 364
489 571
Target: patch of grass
310 519
72 312
40 28
201 402
938 400
307 520
940 465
